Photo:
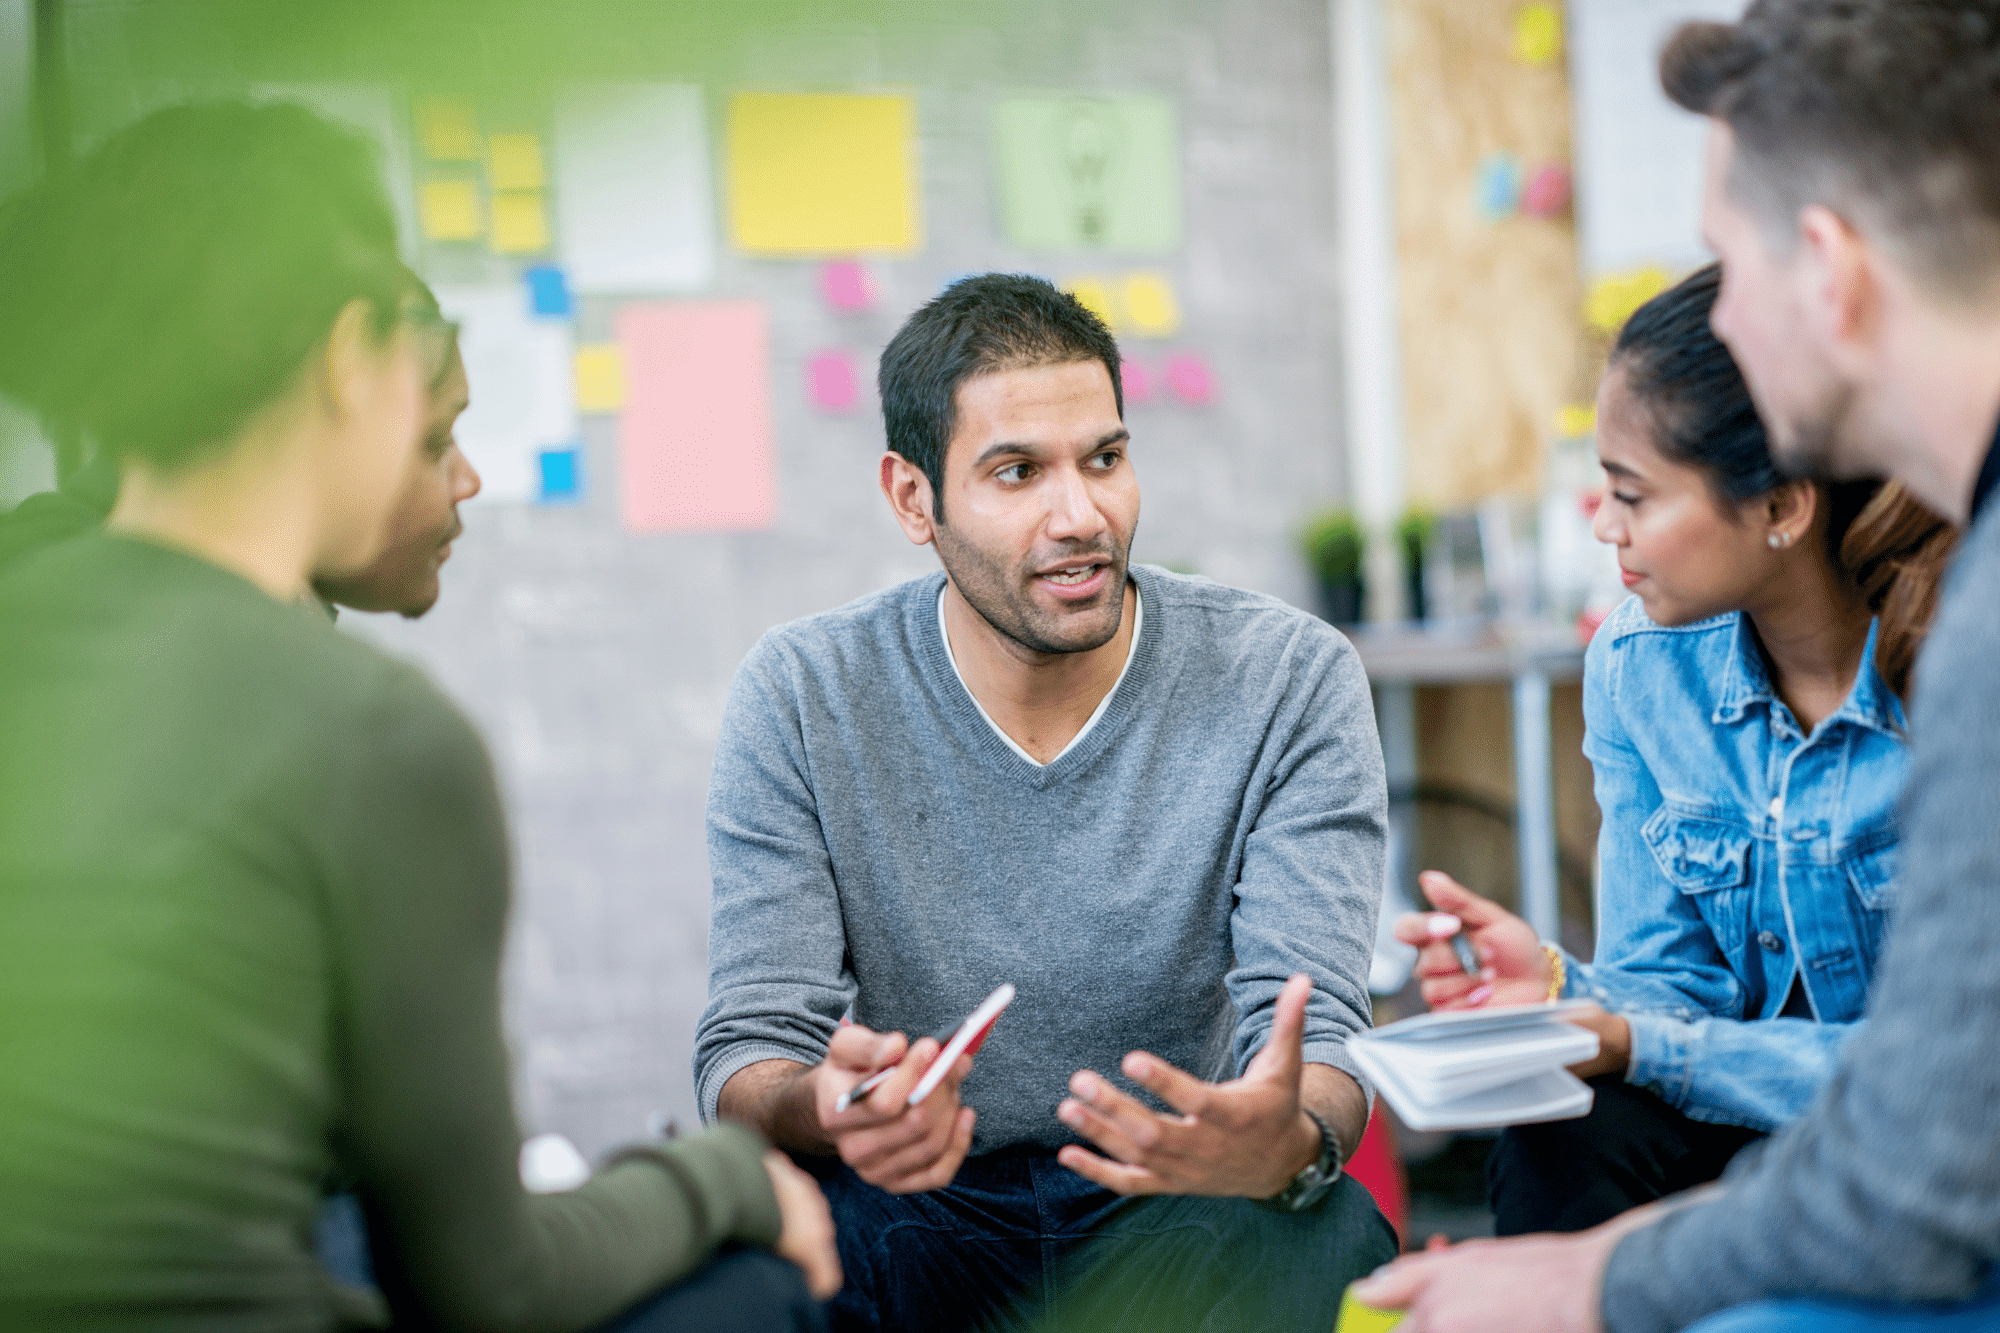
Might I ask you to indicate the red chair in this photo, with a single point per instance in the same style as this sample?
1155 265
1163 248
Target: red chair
1379 1170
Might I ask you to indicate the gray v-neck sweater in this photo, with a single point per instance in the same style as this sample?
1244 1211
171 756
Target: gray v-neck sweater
875 842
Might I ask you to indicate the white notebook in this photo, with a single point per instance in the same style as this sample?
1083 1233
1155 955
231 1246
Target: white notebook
1480 1068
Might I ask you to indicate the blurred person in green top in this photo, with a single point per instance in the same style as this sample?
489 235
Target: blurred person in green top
253 873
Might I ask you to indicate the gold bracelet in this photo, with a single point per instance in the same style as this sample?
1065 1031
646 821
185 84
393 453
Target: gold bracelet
1560 969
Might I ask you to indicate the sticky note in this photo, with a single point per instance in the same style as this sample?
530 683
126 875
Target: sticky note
448 129
1081 171
1150 307
634 191
813 173
1576 420
514 162
520 222
846 286
1097 296
1189 380
1499 186
1538 34
1355 1317
1612 299
832 382
1136 380
548 291
1546 195
520 370
600 378
449 211
695 450
561 474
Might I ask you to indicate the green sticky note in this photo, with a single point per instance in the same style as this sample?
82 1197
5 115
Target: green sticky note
1079 171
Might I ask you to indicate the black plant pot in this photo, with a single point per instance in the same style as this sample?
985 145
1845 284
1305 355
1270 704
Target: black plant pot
1416 590
1340 600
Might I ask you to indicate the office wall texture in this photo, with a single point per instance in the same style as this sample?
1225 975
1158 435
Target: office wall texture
596 661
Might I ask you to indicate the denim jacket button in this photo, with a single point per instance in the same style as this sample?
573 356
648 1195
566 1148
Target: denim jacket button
1771 940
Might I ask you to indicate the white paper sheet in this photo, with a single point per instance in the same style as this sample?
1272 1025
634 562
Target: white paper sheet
634 189
1638 156
520 371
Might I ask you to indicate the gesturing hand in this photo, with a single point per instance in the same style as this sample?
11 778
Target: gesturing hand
1513 968
901 1148
1247 1137
805 1233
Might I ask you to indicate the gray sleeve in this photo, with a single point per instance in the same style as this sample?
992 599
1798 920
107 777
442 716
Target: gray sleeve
1311 882
1889 1187
778 979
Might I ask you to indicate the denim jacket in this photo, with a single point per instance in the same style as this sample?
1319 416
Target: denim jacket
1736 854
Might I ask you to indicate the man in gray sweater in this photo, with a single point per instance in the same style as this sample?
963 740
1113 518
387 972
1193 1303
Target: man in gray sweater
1854 197
1152 804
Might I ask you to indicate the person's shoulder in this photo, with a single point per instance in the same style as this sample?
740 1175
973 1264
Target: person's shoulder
860 635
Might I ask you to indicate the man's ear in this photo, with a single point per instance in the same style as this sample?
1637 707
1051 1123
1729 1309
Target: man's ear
345 359
1842 289
910 499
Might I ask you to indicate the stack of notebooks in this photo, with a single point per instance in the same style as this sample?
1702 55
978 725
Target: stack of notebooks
1480 1068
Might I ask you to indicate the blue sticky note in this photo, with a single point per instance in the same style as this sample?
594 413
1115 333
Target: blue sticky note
562 474
1499 186
548 291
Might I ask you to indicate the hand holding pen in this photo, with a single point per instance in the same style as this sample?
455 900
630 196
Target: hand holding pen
890 1143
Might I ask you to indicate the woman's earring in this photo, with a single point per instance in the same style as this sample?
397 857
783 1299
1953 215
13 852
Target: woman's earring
1779 540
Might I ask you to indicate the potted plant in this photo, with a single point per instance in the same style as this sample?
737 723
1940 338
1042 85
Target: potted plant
1413 535
1333 543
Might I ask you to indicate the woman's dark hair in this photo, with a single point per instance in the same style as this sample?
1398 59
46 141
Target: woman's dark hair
1700 410
995 321
174 282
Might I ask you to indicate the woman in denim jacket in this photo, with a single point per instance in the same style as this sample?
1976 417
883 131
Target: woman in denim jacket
1744 723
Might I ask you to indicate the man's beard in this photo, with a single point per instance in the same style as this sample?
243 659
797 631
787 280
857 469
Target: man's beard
1002 598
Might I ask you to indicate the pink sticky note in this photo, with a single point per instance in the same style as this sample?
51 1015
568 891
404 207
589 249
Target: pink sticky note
1547 192
1137 381
831 379
846 286
694 439
1189 380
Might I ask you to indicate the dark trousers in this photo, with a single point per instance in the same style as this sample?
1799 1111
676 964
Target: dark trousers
1633 1148
1019 1242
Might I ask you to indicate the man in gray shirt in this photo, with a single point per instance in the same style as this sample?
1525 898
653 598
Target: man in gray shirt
1853 194
1153 804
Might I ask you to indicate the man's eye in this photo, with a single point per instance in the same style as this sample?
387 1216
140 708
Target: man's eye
438 445
1013 472
1105 461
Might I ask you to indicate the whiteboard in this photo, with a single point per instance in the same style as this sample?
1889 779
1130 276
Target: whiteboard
1638 156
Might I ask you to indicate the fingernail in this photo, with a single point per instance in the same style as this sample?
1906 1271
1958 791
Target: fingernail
1443 924
1479 996
1488 974
1069 1113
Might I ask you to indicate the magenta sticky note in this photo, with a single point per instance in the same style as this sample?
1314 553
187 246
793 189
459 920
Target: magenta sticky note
694 439
1188 379
846 286
831 379
1547 192
1136 380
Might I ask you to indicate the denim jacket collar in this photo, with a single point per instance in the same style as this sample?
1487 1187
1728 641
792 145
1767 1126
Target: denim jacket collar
1869 703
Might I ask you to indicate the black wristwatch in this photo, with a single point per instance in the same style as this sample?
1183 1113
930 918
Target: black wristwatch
1309 1186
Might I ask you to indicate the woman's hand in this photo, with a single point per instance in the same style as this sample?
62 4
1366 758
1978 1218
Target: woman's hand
1513 968
1614 1042
806 1233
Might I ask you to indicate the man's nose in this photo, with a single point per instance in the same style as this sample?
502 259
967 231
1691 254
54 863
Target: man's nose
464 477
1073 511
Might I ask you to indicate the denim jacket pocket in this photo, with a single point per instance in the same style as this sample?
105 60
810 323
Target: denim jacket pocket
1873 875
1707 857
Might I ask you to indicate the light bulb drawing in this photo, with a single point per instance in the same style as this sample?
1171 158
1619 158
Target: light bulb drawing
1087 138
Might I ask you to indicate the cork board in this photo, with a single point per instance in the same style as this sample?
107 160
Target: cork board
1491 343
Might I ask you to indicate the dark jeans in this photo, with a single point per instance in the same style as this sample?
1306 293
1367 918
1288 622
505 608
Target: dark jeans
1019 1242
737 1291
1633 1148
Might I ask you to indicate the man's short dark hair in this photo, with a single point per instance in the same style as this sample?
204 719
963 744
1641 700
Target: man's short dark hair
1886 111
996 321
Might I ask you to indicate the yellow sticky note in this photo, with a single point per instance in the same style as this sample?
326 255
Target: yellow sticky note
520 222
600 378
1576 420
821 173
1097 297
448 129
450 210
1612 299
1358 1318
514 162
1538 34
1150 305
